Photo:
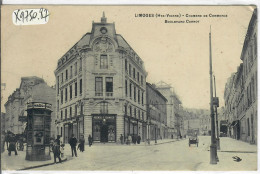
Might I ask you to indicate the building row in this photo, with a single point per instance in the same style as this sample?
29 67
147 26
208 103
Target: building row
241 90
101 90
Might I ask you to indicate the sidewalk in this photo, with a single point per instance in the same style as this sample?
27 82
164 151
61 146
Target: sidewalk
229 149
18 162
152 142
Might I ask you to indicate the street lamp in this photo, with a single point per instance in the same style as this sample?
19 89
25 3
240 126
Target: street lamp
213 149
216 109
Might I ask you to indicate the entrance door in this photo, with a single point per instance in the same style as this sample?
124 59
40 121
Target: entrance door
104 133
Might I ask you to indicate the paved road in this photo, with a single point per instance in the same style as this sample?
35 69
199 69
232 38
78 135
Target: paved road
170 156
177 156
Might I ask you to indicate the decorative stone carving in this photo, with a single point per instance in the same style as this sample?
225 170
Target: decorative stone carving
103 45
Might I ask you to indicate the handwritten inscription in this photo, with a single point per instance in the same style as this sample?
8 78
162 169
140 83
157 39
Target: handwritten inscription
30 16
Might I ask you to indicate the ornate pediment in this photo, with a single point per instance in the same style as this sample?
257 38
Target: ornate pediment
103 45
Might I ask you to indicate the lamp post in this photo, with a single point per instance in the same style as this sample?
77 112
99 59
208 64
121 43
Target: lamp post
213 149
216 109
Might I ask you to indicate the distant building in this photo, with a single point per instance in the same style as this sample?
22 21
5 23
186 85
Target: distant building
156 113
101 83
175 122
31 89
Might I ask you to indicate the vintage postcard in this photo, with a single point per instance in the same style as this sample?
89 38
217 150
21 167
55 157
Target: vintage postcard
129 88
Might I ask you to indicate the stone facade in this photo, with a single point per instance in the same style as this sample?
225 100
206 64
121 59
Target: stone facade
241 90
175 122
101 83
156 113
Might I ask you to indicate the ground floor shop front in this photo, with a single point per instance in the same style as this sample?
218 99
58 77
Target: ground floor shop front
104 128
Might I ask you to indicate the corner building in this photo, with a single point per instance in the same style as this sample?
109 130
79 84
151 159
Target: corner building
101 85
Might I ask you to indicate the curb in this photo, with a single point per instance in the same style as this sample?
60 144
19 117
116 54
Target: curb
43 165
169 141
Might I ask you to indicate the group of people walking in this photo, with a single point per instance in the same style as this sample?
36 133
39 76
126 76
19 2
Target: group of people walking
130 139
74 145
13 142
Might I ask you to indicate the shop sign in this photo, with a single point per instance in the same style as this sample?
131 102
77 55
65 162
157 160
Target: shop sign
38 106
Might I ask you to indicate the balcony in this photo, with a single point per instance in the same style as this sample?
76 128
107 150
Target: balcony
109 94
99 94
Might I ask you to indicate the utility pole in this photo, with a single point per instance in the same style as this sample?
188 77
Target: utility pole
213 149
216 109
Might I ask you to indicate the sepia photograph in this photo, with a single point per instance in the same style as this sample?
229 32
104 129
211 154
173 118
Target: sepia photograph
129 88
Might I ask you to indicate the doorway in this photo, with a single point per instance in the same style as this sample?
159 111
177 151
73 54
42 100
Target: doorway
104 133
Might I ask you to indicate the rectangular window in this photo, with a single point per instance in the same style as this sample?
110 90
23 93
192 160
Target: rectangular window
61 96
61 131
139 115
138 95
80 64
81 109
70 112
142 98
134 73
76 89
126 65
65 113
103 62
61 77
61 115
66 76
80 86
142 115
99 86
109 86
76 68
248 127
130 88
126 87
66 94
138 78
134 93
135 112
58 85
58 105
76 110
125 109
131 111
70 91
142 80
70 71
130 69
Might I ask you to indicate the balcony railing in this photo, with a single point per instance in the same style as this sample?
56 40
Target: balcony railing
99 94
109 94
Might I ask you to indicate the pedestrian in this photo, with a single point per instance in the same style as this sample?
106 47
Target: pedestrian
90 140
122 139
56 149
7 137
129 139
81 144
12 145
3 142
62 150
134 138
73 143
138 139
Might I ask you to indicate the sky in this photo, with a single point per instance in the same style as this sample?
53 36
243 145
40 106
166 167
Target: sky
176 53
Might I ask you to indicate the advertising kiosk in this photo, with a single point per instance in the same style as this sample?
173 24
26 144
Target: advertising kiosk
38 131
